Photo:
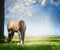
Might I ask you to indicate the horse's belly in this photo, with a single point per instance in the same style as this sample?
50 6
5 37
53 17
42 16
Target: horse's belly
15 28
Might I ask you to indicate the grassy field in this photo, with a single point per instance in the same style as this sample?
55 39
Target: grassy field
33 43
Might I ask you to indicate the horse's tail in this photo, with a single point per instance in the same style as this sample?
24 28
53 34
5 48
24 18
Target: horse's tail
22 26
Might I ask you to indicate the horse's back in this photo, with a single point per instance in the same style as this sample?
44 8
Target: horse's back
13 25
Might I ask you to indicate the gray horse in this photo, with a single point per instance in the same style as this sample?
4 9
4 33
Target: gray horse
19 27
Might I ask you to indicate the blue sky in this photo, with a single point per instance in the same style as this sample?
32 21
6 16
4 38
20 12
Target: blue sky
42 17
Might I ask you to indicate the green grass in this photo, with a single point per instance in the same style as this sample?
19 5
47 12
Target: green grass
33 43
28 47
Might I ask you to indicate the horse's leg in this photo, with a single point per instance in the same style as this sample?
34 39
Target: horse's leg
22 37
10 36
19 38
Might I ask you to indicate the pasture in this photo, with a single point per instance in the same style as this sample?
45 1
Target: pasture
33 43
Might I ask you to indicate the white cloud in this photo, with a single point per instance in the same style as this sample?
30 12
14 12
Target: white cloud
53 2
34 1
56 3
16 7
43 2
20 9
29 14
30 1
